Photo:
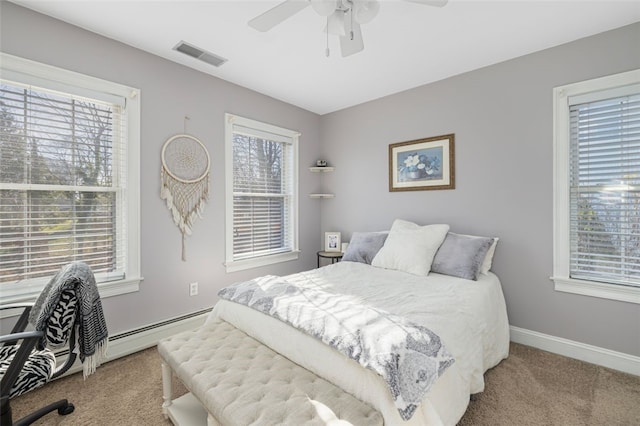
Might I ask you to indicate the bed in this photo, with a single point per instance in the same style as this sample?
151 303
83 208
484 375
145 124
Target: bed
422 278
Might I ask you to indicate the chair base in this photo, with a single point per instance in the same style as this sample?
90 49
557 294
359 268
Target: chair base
63 406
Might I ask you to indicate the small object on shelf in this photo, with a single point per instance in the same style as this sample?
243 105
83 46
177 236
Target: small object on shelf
321 163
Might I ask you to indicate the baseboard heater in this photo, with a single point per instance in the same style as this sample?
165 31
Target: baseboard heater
157 325
128 342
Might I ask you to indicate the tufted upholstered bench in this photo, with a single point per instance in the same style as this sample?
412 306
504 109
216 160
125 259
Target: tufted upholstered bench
236 380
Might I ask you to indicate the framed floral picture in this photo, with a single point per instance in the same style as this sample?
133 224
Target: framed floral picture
422 164
332 241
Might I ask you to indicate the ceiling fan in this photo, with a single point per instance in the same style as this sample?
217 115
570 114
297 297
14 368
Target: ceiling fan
344 18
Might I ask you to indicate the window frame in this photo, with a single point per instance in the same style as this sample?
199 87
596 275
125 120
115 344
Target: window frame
54 78
230 264
561 190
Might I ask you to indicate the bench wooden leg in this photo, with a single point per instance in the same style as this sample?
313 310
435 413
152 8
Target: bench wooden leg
167 391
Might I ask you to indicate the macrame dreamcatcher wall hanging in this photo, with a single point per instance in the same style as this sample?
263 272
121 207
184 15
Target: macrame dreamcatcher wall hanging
184 180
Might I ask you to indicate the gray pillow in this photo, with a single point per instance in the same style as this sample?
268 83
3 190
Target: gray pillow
364 246
461 256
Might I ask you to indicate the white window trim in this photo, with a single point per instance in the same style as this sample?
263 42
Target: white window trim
239 265
561 224
54 77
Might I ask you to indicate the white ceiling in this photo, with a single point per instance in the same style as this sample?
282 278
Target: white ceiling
406 45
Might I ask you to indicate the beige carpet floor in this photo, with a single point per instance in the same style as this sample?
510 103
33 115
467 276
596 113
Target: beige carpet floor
531 387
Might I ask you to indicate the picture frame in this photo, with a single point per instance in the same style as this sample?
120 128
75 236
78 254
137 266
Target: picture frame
332 242
422 164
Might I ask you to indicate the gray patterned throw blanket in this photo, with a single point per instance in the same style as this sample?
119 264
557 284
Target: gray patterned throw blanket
409 357
93 337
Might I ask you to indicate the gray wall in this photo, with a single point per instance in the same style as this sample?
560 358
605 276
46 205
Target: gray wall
501 116
169 92
502 119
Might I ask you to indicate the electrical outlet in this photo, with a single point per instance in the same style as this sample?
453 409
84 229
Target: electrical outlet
193 289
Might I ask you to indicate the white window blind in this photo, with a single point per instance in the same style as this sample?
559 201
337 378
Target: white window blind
262 196
262 193
62 183
604 177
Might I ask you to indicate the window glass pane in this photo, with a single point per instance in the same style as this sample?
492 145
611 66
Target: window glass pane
257 165
59 200
44 230
262 197
51 139
605 190
259 224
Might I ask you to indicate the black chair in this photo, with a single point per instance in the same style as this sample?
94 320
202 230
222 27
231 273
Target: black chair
27 362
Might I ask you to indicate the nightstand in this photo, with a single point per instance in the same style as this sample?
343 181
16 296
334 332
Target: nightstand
335 256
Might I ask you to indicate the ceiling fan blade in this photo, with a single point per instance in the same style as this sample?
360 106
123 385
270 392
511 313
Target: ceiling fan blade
349 46
436 3
278 14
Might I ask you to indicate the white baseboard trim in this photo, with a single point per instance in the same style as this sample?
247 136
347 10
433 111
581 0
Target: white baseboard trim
580 351
132 341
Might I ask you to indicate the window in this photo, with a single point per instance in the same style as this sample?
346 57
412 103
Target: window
262 194
597 187
69 180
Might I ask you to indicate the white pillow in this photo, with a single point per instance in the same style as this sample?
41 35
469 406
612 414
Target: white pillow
488 259
410 247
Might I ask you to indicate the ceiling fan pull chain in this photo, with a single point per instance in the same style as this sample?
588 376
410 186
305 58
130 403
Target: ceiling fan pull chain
326 51
351 19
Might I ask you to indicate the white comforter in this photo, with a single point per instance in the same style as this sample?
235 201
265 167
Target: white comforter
469 316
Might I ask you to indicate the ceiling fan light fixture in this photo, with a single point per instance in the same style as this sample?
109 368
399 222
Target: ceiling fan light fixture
365 10
344 18
324 7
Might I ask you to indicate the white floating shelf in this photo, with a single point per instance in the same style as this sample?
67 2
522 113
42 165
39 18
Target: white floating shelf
321 195
321 169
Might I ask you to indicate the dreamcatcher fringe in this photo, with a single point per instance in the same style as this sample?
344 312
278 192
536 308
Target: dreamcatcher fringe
186 201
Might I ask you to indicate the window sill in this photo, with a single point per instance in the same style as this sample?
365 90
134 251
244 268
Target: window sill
256 262
117 288
594 289
107 289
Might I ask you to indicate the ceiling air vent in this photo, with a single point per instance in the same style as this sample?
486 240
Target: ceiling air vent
196 52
